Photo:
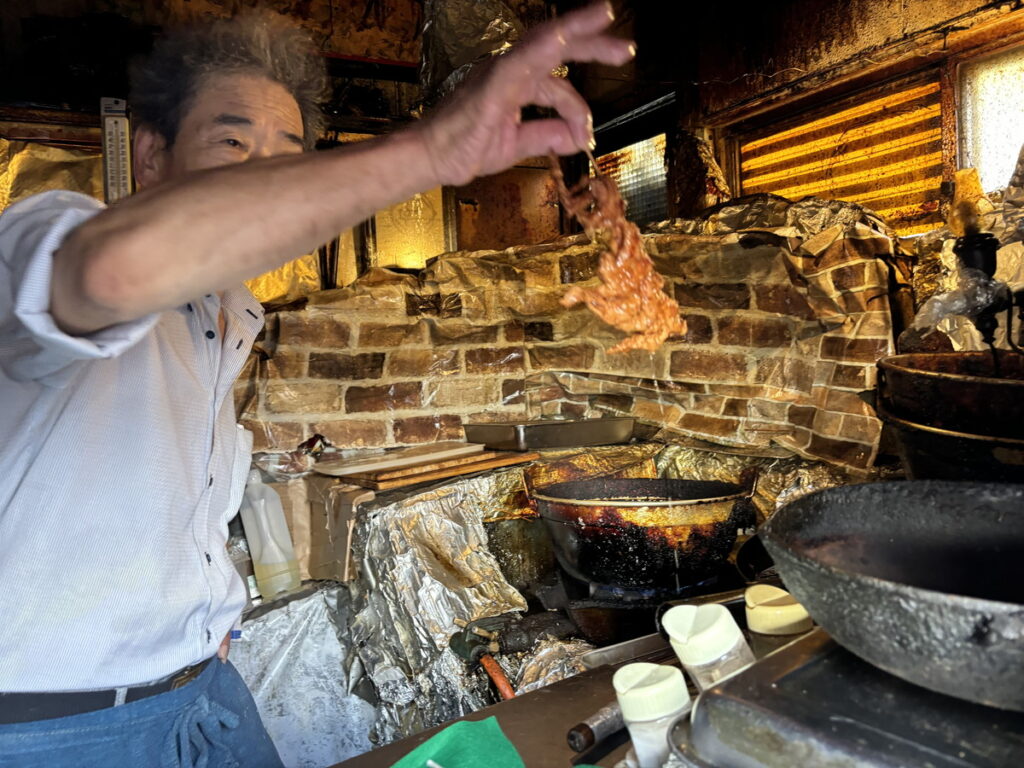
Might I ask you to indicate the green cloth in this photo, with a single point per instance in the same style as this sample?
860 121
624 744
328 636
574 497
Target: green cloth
466 744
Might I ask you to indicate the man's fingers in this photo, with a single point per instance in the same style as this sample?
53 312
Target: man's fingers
225 647
587 21
612 51
558 93
577 36
547 55
542 137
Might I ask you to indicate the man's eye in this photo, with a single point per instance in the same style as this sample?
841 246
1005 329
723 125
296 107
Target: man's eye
234 143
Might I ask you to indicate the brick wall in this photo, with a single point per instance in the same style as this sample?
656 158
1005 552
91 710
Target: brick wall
784 328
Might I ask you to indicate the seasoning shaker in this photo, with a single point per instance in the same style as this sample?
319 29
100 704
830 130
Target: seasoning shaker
652 698
773 611
773 618
708 642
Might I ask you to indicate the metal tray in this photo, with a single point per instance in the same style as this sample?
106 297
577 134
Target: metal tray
531 435
813 704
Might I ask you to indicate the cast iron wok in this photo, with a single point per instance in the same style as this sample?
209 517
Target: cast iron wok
923 579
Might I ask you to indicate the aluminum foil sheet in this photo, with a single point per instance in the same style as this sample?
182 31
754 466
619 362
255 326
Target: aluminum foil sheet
947 294
299 661
425 568
289 282
562 466
548 662
779 480
457 35
936 270
765 212
1007 220
27 168
695 180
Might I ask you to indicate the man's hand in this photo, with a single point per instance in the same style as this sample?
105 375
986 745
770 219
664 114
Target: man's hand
225 647
481 132
204 231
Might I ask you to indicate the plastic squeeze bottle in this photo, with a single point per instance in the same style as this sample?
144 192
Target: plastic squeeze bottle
270 544
708 642
652 698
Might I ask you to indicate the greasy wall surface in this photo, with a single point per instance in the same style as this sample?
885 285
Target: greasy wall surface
752 48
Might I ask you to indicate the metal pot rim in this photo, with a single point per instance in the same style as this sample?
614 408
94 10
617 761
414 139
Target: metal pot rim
884 414
633 503
889 363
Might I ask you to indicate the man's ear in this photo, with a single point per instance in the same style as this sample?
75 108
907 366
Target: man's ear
150 157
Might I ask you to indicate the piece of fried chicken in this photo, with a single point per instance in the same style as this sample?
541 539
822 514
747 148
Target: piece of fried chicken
631 293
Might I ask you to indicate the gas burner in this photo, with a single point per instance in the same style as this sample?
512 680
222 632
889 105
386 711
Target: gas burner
607 614
609 593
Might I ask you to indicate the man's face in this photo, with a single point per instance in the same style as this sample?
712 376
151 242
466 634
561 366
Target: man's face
233 118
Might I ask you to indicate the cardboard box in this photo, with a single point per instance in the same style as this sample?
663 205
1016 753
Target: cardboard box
320 512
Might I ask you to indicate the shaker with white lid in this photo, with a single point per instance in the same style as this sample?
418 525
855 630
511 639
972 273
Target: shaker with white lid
707 641
652 697
773 611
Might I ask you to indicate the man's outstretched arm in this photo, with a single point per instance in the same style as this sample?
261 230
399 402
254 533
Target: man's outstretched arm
213 229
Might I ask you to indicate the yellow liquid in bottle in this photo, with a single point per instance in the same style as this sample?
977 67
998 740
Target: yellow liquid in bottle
275 578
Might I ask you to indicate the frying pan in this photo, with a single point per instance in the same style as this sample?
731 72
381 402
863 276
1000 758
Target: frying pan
923 579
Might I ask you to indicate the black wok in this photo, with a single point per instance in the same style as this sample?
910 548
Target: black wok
923 579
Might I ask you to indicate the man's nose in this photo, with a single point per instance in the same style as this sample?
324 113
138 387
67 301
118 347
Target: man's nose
260 151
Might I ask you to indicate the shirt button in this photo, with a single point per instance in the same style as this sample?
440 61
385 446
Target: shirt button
208 558
210 334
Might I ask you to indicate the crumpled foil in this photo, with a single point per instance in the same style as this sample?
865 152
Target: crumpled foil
974 292
458 35
946 293
424 566
27 168
565 465
766 212
550 661
695 180
933 264
780 480
289 282
1006 221
299 661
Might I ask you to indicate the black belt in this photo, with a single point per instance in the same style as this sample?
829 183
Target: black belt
28 707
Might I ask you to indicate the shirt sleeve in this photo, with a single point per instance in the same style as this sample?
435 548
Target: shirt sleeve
32 347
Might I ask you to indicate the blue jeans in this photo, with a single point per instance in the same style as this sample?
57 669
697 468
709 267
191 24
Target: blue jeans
210 722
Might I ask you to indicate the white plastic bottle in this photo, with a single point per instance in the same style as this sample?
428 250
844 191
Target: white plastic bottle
652 697
270 544
708 642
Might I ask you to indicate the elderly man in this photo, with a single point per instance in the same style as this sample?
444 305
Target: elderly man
121 331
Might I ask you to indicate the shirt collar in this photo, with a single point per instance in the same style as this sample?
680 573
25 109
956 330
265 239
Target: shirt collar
240 302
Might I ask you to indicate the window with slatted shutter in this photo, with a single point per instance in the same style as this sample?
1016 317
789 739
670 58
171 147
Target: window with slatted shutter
639 172
884 153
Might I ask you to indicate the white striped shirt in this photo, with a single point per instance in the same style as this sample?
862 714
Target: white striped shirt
120 466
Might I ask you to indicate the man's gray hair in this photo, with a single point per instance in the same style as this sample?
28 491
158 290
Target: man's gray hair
260 42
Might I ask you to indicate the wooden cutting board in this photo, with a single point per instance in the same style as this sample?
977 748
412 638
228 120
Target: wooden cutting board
403 457
378 476
498 459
